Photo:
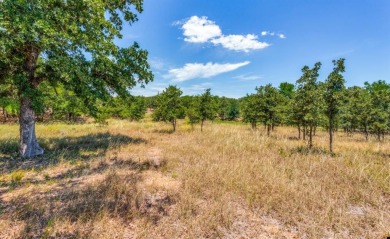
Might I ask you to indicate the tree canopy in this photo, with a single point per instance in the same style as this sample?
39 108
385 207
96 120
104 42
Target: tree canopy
69 43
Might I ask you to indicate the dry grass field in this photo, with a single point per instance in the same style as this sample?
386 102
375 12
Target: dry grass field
140 180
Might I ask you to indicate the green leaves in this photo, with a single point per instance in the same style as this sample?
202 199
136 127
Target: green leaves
169 105
72 44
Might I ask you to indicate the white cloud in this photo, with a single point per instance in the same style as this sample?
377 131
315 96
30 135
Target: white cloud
248 77
196 89
200 30
267 33
197 70
240 42
157 63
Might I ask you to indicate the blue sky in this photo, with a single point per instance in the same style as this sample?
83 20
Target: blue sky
234 46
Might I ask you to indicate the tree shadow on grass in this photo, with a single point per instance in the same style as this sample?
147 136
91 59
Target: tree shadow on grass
83 195
80 204
84 147
164 131
310 151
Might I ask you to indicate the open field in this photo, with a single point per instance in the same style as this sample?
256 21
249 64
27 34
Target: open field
140 180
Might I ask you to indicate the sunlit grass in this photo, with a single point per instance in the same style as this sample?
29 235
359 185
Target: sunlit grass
141 180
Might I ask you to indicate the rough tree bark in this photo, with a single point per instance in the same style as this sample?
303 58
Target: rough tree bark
28 145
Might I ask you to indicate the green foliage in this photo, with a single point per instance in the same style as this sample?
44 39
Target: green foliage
233 110
8 99
332 94
251 109
192 113
287 90
333 88
380 106
169 106
227 108
270 105
307 101
138 109
207 107
49 41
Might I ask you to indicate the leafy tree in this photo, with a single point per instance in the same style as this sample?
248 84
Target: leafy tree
251 109
193 113
223 108
333 88
357 111
8 101
270 107
169 106
307 102
61 103
233 110
133 108
138 109
287 92
69 43
207 109
380 95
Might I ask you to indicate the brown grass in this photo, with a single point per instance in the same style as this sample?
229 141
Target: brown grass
135 180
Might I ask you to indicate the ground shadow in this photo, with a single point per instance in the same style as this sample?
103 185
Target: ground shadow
84 147
313 151
164 131
115 196
80 196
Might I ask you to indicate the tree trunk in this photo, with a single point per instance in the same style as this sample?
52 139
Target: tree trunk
310 136
330 134
299 131
201 125
304 132
28 146
366 132
174 125
253 125
268 129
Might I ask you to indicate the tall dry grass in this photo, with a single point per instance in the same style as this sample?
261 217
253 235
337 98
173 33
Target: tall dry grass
139 180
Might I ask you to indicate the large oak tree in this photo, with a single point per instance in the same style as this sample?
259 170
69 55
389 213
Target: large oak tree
69 43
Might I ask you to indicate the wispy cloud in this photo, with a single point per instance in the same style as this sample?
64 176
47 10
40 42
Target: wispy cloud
197 70
196 89
248 77
240 42
157 63
202 30
267 33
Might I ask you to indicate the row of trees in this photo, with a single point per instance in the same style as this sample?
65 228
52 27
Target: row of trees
329 104
307 105
61 104
303 105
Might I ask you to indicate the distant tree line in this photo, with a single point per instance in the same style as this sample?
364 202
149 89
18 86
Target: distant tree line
306 105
